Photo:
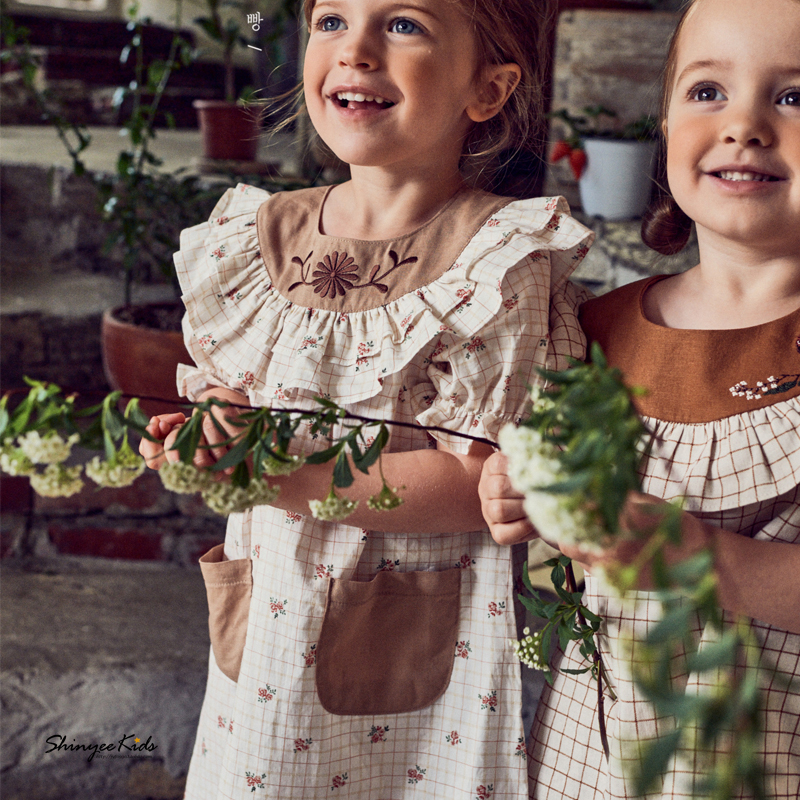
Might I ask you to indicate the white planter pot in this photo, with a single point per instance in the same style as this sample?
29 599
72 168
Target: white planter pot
617 181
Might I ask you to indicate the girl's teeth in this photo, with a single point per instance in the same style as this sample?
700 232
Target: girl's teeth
357 97
743 176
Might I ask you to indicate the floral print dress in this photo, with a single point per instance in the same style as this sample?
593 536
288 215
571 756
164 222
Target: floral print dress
444 327
723 410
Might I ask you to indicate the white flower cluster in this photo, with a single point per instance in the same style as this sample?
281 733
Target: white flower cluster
529 649
57 481
532 467
386 500
183 478
275 466
224 498
333 508
123 471
741 389
13 461
47 449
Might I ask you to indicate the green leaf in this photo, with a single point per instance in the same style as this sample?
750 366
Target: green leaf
656 757
342 475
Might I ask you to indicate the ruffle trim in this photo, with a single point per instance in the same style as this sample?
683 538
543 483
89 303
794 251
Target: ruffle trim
235 315
728 463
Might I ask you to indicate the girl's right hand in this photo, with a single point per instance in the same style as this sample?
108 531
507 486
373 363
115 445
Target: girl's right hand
161 428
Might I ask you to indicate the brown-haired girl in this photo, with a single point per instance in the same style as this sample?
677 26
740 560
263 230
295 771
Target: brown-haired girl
718 349
369 658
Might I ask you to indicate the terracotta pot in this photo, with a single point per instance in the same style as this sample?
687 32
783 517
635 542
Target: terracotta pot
142 362
229 131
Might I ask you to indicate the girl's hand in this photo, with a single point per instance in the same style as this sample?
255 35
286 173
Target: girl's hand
215 442
160 427
502 505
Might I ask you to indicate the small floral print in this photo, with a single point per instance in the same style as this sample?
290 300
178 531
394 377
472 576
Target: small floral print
419 293
580 252
277 607
416 775
377 733
511 302
551 204
497 609
536 255
266 693
254 782
250 223
521 750
310 658
219 253
256 551
401 395
364 534
222 722
230 727
466 297
465 561
388 566
488 701
484 792
222 220
291 517
309 343
246 379
302 745
407 334
438 349
206 341
234 294
506 384
339 781
555 223
453 738
428 399
321 571
463 649
772 385
203 748
492 223
279 394
474 345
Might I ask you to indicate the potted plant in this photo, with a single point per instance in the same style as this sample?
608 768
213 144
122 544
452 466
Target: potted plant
613 164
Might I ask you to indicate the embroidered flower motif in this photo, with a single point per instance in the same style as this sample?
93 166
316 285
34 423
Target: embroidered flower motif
772 385
377 733
254 781
488 701
521 750
339 781
310 658
453 738
335 275
465 561
416 775
266 693
484 792
277 607
321 571
302 745
206 341
463 649
497 609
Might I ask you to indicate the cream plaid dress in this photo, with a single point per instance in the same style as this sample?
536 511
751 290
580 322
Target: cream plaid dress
733 453
446 329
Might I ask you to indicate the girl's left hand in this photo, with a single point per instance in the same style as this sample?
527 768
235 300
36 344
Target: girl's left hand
641 516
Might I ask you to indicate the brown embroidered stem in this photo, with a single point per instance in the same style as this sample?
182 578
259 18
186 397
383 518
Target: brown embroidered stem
598 662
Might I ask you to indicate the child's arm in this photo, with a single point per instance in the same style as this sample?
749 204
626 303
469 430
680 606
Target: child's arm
502 505
439 488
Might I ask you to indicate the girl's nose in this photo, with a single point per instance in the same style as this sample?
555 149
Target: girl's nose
747 126
358 51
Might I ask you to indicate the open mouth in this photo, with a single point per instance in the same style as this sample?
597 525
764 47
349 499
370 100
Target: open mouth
730 175
358 100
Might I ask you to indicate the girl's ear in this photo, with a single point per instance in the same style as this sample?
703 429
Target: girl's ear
494 86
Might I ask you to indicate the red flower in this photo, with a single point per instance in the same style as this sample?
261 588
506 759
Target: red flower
334 275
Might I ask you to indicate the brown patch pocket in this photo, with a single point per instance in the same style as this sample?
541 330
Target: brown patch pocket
387 645
229 585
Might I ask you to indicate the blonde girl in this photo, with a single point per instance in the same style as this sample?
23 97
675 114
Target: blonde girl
369 658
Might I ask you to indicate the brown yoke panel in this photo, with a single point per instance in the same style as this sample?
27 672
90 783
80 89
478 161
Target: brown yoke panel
314 270
695 376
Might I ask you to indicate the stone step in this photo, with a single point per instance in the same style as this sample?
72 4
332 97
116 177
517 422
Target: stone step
94 651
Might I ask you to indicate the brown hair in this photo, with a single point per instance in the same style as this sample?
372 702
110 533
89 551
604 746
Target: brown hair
506 32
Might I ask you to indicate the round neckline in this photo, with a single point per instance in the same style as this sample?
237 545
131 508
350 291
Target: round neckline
707 331
422 227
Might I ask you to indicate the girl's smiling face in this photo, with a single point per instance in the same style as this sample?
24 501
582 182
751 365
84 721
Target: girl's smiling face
392 84
733 125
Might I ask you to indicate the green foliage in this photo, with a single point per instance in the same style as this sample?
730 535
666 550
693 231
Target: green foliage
597 121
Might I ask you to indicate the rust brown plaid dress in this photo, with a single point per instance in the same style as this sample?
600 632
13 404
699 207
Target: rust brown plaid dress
723 408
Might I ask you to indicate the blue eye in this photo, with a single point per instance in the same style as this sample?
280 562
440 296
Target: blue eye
404 26
330 24
791 98
707 94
